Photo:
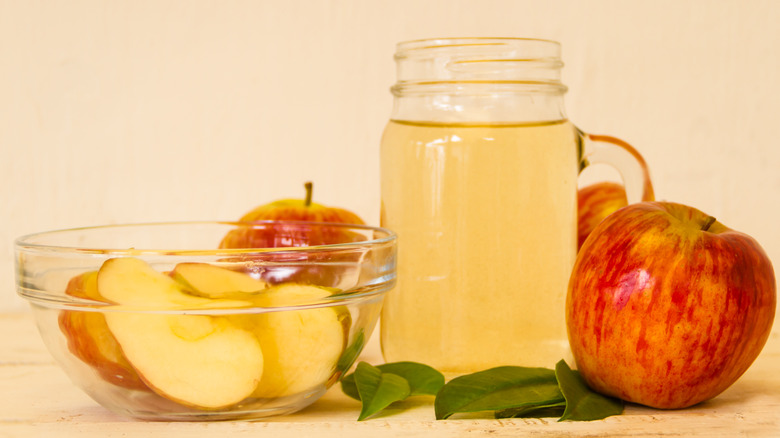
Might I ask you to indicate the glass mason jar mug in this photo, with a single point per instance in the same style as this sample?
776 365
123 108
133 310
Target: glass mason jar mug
479 168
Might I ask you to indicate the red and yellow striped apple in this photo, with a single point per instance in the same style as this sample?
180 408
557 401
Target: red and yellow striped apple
666 306
597 201
594 203
294 233
292 227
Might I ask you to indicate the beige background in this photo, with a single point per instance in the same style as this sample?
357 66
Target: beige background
128 111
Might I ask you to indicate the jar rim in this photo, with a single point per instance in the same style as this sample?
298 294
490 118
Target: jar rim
492 88
411 47
509 61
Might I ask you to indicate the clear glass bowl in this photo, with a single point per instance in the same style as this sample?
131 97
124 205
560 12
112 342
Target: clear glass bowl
169 321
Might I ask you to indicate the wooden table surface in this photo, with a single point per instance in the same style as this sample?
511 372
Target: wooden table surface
38 399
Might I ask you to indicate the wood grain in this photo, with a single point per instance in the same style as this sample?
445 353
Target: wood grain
39 400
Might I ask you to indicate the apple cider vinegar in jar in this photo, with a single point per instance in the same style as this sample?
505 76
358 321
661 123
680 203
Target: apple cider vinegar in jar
488 216
479 169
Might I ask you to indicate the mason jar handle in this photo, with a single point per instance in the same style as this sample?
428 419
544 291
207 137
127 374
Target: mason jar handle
623 157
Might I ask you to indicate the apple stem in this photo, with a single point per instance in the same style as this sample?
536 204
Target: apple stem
309 188
708 223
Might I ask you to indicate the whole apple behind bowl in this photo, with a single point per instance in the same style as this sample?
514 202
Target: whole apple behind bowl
666 306
286 223
292 234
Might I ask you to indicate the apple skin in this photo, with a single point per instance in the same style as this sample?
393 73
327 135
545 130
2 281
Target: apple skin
292 228
293 232
301 210
594 203
90 339
285 233
664 314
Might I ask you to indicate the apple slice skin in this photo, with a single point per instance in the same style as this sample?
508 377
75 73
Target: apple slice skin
664 314
90 340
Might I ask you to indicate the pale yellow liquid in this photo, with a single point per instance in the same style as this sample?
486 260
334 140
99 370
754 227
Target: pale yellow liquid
486 223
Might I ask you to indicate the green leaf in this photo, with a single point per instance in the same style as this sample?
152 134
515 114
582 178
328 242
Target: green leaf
378 390
533 411
351 352
349 387
422 379
345 362
498 389
582 404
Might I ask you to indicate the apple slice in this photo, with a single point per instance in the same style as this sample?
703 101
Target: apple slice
90 340
200 361
209 281
132 282
301 347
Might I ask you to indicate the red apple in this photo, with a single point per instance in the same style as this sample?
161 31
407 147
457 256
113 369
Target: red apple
292 227
597 201
666 306
277 235
301 210
594 203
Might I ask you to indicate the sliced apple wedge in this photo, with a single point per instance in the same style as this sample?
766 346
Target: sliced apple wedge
205 280
301 347
200 361
132 282
90 340
206 362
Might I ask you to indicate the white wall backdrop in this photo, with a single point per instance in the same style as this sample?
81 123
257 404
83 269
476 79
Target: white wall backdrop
137 111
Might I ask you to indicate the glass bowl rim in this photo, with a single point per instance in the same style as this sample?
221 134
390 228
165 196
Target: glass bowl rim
51 300
22 243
